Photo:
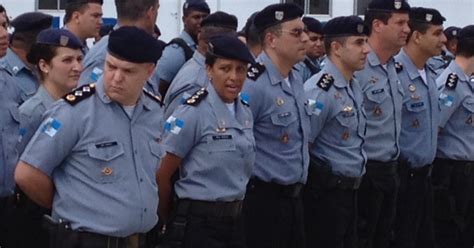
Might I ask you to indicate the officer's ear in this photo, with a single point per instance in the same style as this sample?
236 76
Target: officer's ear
416 37
43 66
377 25
336 48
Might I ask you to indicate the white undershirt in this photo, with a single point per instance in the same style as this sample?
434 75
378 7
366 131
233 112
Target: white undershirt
287 81
129 110
423 75
231 107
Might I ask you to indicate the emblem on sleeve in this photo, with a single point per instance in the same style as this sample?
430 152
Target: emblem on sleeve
51 127
174 125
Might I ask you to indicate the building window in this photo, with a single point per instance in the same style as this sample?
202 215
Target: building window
361 6
51 4
314 7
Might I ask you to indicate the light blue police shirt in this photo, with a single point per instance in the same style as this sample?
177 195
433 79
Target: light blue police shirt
102 162
281 125
338 122
420 113
457 113
25 79
383 99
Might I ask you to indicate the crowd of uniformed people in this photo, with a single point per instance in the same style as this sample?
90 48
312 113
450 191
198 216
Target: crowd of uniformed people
289 133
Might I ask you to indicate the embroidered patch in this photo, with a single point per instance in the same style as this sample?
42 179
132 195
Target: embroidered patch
174 125
51 127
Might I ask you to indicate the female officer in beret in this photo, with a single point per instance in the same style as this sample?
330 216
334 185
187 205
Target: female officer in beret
210 140
58 58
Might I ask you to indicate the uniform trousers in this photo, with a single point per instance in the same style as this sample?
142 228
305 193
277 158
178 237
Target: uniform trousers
273 215
414 222
453 183
377 204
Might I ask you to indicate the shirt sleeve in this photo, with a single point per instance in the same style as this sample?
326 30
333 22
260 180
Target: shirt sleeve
181 131
449 102
170 62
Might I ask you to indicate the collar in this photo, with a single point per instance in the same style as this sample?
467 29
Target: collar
272 71
409 66
45 97
142 100
188 39
199 58
339 80
14 62
222 113
454 67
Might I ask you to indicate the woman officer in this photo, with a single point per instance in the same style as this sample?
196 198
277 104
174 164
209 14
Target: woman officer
58 59
210 139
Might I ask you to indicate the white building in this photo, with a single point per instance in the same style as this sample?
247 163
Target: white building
457 12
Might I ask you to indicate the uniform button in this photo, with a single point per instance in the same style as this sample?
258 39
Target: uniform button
141 179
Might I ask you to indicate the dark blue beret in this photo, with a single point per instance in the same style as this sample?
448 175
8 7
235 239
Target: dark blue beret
31 21
71 3
199 5
426 15
230 47
134 45
52 37
313 25
388 6
466 33
452 32
275 14
345 26
220 19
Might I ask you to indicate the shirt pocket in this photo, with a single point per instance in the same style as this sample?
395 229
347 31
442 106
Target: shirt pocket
221 143
105 170
348 120
284 119
157 151
468 104
377 96
415 107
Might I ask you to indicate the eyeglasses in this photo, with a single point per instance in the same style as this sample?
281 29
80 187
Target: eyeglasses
297 32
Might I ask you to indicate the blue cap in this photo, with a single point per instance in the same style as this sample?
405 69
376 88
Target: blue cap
277 13
52 37
466 33
31 21
345 26
313 25
220 19
426 15
452 32
134 45
388 6
230 47
199 5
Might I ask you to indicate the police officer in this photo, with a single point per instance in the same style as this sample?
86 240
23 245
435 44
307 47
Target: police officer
272 206
9 132
84 19
315 48
383 95
453 171
137 13
181 48
337 135
418 138
95 156
252 36
441 62
27 26
192 76
214 154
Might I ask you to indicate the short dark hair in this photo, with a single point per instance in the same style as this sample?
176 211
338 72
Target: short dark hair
328 40
465 47
80 7
208 32
275 29
24 40
421 27
211 58
2 9
371 15
133 9
44 52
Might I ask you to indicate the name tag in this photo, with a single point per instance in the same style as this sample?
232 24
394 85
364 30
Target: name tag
106 144
284 115
378 91
418 104
222 137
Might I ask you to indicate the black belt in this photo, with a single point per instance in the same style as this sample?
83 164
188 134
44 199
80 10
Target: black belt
423 171
291 191
466 166
209 209
381 168
320 174
94 239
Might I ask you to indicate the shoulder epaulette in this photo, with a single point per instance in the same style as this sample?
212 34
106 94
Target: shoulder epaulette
325 82
79 94
255 71
452 81
153 96
197 97
398 67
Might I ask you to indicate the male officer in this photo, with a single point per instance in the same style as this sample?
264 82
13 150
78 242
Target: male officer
193 76
137 13
453 171
252 36
84 19
420 116
9 132
387 21
95 156
315 49
440 62
181 48
27 27
451 43
337 134
272 206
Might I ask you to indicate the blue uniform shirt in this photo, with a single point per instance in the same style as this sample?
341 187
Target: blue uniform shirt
338 122
173 58
9 131
31 113
103 163
420 114
383 98
281 125
26 79
304 70
217 149
457 113
95 58
190 78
